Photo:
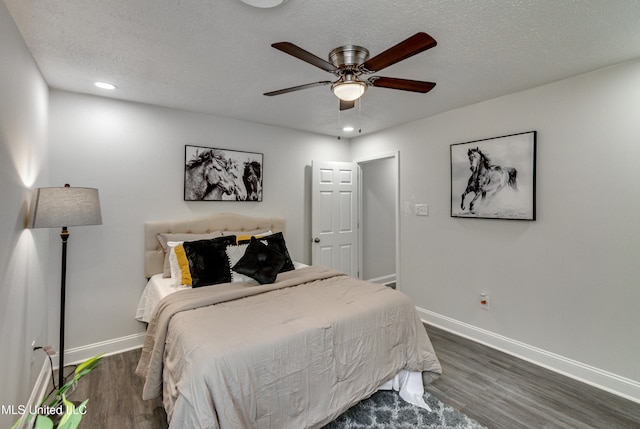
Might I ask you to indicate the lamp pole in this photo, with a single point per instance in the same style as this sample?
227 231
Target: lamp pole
62 207
64 235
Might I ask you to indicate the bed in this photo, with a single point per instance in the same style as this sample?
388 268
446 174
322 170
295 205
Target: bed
295 352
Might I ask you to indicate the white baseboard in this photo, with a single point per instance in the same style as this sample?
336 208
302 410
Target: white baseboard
621 386
40 389
384 279
77 355
106 348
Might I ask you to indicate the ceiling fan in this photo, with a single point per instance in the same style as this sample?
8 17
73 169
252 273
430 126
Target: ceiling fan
350 63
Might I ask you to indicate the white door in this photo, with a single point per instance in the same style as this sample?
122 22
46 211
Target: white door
334 215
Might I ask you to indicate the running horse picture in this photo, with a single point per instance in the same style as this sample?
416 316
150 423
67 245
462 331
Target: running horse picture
486 178
494 178
222 175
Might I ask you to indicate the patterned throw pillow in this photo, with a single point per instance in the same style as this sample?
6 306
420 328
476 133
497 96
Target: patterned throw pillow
260 262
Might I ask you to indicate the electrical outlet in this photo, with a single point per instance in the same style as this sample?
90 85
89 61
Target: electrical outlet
484 300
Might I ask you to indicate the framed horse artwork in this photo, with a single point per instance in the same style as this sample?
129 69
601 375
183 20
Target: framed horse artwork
212 174
495 178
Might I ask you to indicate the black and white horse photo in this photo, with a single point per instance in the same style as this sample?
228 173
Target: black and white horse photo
494 178
486 178
222 175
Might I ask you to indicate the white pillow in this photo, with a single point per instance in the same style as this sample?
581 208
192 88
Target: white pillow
164 239
176 272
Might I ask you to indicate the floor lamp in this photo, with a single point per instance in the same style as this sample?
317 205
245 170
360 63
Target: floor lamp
61 208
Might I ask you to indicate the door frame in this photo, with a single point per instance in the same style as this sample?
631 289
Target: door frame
396 157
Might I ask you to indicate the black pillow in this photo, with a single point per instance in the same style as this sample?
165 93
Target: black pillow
276 241
260 262
208 261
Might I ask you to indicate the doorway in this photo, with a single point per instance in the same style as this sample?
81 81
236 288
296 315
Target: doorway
378 209
355 225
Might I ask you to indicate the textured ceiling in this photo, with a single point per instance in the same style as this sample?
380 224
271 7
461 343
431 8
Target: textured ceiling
215 56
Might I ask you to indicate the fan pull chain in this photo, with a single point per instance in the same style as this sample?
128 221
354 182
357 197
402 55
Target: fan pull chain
359 116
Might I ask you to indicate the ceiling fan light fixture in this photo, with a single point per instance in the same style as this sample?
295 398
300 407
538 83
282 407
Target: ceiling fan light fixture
350 63
264 4
349 88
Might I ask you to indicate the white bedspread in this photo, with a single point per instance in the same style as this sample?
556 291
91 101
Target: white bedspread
410 386
294 354
156 289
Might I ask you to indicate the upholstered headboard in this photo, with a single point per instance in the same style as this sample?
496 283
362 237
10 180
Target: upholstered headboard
154 255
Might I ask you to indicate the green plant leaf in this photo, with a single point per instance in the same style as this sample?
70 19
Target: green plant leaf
89 364
44 422
72 416
81 370
82 407
72 422
69 409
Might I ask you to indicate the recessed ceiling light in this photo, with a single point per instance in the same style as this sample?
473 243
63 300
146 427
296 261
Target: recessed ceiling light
264 3
105 85
348 128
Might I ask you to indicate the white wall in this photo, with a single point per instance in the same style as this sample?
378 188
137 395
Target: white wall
567 283
23 122
134 154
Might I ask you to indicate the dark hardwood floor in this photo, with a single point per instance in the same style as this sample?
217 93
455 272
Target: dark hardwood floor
504 392
496 389
115 396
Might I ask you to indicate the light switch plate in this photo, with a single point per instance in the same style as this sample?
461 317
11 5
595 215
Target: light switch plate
422 209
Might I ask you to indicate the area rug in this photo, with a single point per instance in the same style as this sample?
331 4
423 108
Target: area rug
386 410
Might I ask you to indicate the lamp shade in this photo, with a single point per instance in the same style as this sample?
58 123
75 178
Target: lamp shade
67 206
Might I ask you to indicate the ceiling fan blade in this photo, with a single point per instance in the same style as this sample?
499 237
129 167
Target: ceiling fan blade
298 52
402 84
345 105
415 44
298 88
